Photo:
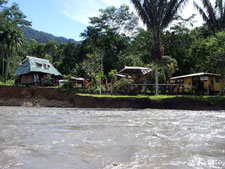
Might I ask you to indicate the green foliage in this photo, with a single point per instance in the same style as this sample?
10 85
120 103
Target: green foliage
112 41
213 14
105 38
67 84
112 73
205 53
11 38
123 84
48 80
8 83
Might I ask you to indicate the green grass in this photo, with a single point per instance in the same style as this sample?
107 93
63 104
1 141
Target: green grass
8 83
112 96
213 99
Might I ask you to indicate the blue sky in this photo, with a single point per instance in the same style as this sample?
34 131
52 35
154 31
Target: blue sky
68 18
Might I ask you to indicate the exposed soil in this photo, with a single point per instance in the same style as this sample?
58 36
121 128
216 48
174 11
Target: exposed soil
49 97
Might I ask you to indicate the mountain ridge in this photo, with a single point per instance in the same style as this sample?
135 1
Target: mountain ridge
43 37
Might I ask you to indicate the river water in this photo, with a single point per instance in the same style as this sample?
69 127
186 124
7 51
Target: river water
50 138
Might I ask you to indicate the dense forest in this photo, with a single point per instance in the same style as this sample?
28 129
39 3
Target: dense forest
113 39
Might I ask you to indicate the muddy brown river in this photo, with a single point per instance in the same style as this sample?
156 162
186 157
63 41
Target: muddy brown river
50 138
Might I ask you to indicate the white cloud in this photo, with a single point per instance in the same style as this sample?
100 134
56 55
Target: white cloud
82 10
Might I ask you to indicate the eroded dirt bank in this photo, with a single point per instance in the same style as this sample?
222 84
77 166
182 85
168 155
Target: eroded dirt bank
49 97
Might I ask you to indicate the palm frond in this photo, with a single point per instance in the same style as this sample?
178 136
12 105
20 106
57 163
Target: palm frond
141 12
172 9
214 17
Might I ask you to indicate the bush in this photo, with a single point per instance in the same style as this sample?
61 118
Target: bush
95 89
123 84
67 85
48 80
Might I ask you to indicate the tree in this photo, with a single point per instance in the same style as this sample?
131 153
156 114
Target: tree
213 16
177 41
140 46
111 75
117 20
106 35
157 15
51 47
11 37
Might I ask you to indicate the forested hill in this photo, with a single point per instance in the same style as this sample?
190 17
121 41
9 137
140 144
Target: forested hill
43 37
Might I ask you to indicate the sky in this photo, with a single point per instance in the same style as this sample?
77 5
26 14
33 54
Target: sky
69 18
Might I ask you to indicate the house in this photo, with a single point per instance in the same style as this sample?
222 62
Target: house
138 74
77 82
201 82
34 70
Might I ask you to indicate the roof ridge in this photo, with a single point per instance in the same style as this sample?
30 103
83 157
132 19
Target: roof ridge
37 58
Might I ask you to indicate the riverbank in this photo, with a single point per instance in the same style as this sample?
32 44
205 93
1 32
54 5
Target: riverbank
51 97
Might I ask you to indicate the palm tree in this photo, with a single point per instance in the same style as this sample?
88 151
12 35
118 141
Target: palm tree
157 15
11 38
213 16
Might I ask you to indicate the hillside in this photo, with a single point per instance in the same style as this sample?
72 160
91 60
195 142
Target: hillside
43 37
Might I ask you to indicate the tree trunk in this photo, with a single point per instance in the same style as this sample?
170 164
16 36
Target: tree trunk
6 69
3 66
100 86
156 79
157 56
111 87
222 84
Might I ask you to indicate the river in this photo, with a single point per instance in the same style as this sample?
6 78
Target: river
58 138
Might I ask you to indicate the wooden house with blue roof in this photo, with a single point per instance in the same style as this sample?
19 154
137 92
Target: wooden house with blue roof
34 70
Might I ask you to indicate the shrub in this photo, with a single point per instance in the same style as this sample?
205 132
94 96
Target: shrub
123 84
48 80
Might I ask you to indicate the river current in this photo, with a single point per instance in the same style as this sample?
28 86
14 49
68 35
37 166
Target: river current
53 138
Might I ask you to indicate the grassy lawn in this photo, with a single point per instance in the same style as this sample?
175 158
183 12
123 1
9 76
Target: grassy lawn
160 97
8 83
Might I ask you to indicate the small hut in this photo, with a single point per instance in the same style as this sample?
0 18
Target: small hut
138 74
34 70
77 82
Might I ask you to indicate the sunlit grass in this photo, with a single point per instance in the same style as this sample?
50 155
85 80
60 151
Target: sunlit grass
216 98
112 96
8 83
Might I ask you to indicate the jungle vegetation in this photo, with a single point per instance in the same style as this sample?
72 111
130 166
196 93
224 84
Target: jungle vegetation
113 39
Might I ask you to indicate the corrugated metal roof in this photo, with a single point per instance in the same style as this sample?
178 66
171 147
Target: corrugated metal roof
33 64
77 78
135 69
120 75
194 74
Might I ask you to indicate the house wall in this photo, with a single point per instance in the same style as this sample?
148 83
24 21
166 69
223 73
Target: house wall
27 78
207 86
217 85
184 85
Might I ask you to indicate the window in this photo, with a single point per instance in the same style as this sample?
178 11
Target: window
217 80
46 66
39 65
212 82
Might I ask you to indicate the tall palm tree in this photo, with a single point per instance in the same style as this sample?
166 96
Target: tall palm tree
12 38
157 15
213 16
